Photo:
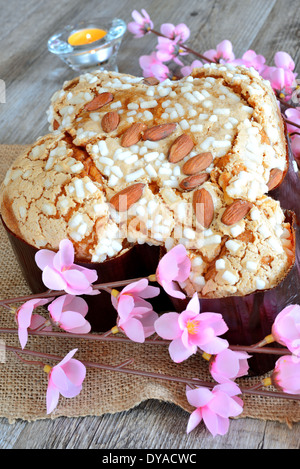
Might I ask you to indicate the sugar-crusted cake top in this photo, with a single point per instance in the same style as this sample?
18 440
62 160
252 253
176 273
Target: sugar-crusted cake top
227 110
131 162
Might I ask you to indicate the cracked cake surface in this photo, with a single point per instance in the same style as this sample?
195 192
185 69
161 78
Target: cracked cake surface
132 161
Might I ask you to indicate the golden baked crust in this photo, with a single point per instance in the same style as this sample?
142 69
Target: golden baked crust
228 110
143 142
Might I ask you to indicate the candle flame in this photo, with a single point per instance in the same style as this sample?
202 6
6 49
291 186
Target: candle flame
86 36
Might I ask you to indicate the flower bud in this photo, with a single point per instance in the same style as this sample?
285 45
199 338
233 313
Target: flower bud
286 328
286 374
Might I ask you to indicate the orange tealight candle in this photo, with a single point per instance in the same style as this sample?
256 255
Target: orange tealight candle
86 36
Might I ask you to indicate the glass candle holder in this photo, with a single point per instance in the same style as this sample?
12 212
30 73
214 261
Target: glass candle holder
89 45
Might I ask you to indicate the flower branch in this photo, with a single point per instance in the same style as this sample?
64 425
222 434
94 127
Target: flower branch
149 374
107 286
183 46
110 337
215 404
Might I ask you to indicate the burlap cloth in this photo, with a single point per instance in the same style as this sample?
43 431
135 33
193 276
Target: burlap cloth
23 387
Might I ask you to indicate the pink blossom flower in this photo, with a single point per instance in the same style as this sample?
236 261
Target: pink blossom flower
180 31
295 145
222 54
66 379
281 77
40 323
229 365
26 320
60 272
293 115
175 266
141 24
135 315
281 80
187 70
153 67
168 49
286 328
286 374
284 60
190 330
251 59
214 407
68 312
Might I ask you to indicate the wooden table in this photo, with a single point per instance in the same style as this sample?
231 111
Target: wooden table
31 75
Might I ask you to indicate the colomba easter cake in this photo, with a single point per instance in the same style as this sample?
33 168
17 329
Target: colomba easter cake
132 161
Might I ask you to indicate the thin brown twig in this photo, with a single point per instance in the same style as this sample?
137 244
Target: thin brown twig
108 337
290 122
256 387
285 103
126 362
28 362
117 283
20 299
105 337
7 307
49 293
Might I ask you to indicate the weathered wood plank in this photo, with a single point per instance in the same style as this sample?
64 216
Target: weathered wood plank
280 32
11 17
216 20
150 425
